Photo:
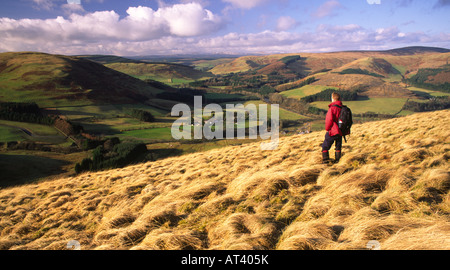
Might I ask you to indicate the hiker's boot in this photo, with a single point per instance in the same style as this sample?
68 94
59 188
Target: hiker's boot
325 157
337 156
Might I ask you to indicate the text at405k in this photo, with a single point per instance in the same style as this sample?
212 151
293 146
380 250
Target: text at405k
226 260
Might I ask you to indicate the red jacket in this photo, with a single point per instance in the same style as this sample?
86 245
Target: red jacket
332 117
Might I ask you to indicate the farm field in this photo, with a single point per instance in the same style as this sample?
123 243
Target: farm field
167 73
376 105
306 90
430 92
19 131
283 113
11 134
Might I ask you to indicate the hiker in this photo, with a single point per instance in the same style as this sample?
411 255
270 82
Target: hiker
333 134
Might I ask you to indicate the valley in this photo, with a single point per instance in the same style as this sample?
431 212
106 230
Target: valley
98 93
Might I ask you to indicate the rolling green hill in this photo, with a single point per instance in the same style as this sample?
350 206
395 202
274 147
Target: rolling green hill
56 80
163 72
377 68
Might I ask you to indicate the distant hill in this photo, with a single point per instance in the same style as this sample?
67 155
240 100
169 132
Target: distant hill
52 80
151 68
164 72
416 50
373 73
392 186
314 62
108 59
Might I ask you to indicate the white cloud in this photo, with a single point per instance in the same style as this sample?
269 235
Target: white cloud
329 8
72 8
372 2
45 4
142 23
245 4
285 23
189 19
189 28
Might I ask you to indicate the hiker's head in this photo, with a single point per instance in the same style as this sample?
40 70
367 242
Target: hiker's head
335 97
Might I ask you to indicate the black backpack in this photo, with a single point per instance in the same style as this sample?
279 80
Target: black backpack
345 120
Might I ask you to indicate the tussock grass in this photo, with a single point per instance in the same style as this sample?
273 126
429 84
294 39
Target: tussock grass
392 185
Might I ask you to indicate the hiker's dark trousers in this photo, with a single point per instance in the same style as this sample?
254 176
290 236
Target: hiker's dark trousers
329 140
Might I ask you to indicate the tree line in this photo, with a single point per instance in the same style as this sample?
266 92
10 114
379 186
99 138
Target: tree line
289 86
436 103
420 79
116 155
295 105
142 115
185 95
360 71
326 95
24 112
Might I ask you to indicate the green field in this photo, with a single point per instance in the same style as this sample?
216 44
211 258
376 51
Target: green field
284 114
168 73
21 131
36 129
306 90
160 134
106 111
430 92
112 119
376 105
8 134
166 80
218 96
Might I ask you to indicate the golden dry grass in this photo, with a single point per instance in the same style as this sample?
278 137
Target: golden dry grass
392 185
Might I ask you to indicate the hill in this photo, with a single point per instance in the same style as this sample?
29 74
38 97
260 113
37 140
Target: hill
313 62
163 72
318 62
51 80
392 185
155 70
108 59
373 73
416 50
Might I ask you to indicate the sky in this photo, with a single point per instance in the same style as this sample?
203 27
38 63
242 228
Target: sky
238 27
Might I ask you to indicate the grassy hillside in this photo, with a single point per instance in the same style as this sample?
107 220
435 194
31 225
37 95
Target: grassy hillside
55 80
375 74
164 72
378 105
158 68
392 185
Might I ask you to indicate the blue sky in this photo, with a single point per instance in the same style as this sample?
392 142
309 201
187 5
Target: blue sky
150 27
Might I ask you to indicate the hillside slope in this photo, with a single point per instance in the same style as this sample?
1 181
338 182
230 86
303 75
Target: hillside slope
167 71
392 185
372 73
54 79
318 61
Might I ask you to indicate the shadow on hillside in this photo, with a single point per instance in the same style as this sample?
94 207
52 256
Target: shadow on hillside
24 169
300 67
72 113
99 129
161 153
165 120
361 98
